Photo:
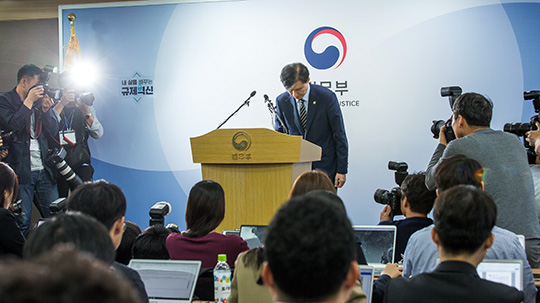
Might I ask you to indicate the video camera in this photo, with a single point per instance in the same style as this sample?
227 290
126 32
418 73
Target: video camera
158 212
520 129
452 92
393 197
56 159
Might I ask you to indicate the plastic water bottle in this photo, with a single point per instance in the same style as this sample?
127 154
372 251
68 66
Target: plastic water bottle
222 280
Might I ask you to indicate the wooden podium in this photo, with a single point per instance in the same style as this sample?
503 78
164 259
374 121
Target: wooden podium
256 168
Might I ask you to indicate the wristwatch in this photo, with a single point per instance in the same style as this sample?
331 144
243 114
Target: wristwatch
87 116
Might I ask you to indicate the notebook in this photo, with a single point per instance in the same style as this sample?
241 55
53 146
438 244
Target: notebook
168 281
366 279
253 235
508 272
378 242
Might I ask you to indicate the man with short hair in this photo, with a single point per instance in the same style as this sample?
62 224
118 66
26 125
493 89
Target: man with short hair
151 243
421 253
313 112
106 202
310 252
464 217
416 203
507 177
25 110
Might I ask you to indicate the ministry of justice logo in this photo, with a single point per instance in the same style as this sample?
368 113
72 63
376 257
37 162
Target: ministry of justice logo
330 57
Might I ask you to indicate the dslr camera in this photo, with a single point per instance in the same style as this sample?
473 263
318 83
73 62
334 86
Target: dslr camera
520 129
452 92
393 197
56 159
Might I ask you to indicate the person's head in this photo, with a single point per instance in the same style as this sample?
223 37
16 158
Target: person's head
458 170
295 78
123 252
311 180
471 110
150 244
63 275
81 231
205 208
28 76
415 197
103 201
310 251
464 217
329 195
9 185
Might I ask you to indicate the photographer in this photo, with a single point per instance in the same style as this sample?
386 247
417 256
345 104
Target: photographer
78 122
25 110
416 203
507 175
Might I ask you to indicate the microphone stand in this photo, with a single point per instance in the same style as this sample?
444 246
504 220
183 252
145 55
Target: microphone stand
273 111
245 103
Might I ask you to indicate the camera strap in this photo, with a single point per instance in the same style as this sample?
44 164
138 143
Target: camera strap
36 125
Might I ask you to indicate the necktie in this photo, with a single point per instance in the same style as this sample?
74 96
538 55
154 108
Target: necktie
303 114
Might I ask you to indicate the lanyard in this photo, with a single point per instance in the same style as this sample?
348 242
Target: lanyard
36 126
69 124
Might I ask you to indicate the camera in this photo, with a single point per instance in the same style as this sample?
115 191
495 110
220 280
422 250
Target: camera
452 92
58 206
16 208
7 138
56 159
393 197
158 212
520 129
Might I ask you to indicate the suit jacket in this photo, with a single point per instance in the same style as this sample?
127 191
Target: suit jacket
451 281
14 116
324 127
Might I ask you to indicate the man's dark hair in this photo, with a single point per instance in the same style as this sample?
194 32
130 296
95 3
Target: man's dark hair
475 108
63 275
291 73
309 247
205 208
81 231
123 252
29 70
150 244
420 198
99 199
464 217
458 170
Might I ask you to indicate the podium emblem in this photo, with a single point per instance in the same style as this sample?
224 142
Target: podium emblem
241 141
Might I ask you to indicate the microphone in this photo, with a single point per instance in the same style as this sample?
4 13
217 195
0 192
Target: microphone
245 103
273 111
250 96
253 94
266 98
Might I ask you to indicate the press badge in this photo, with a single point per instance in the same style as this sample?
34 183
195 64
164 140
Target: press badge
68 137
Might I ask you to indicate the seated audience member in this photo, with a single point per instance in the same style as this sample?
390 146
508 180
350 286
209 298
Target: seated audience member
204 212
76 229
151 243
416 203
106 202
124 251
464 217
421 253
63 275
307 262
311 180
11 239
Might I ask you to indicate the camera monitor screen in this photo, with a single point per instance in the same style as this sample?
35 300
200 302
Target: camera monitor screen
168 281
253 235
378 242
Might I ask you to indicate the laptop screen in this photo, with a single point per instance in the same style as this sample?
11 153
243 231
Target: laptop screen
253 235
168 280
378 242
509 272
366 279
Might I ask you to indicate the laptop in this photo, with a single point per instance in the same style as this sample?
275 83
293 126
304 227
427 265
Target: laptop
378 242
253 235
508 272
366 279
168 281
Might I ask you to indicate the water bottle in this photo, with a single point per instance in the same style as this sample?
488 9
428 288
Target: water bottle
222 280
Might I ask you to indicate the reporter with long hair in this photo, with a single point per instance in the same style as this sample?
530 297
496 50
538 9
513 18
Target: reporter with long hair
11 239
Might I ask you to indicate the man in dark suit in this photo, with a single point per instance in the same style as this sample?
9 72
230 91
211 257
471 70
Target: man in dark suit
313 112
464 217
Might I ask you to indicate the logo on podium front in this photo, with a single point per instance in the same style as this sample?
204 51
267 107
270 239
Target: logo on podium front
241 141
